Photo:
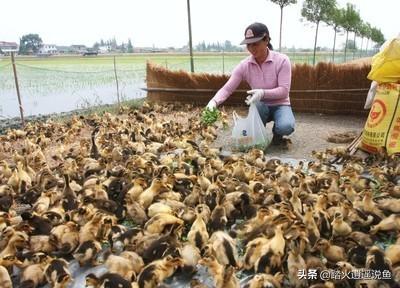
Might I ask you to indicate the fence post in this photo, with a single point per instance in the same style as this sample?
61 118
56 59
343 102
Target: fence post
21 109
116 80
223 62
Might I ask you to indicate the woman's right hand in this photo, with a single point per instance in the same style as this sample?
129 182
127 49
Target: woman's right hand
211 105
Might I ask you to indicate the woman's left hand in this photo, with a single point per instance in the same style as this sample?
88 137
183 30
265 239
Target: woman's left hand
255 95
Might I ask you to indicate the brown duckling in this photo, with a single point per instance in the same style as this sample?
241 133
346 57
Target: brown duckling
57 273
155 272
331 252
339 226
87 252
198 234
111 279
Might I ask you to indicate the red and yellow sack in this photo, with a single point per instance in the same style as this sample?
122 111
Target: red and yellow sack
382 128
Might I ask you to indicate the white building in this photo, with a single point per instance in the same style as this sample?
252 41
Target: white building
8 47
48 49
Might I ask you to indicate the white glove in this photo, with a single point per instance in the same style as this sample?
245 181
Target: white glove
212 105
255 95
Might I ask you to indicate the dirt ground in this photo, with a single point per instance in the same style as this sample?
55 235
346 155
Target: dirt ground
312 131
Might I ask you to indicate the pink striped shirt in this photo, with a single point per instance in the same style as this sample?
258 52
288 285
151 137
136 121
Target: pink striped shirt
273 76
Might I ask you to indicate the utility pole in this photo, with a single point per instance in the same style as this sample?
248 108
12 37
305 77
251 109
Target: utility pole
190 37
21 109
116 80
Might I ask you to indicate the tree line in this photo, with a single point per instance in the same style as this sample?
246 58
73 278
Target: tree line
347 19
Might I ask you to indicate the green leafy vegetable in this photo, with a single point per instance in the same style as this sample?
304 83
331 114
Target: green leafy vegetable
210 116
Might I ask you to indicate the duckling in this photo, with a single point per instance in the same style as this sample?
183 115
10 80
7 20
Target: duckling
392 252
159 222
253 252
377 261
121 266
40 225
368 205
41 243
155 273
391 222
190 255
262 280
69 201
147 196
218 215
136 212
87 253
6 198
94 150
224 248
14 180
272 253
310 224
349 191
139 184
389 204
106 280
136 261
198 235
90 230
5 170
33 275
331 252
57 273
17 241
216 269
5 280
295 263
339 226
43 203
66 243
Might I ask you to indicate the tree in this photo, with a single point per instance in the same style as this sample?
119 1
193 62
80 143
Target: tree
282 4
316 11
368 33
377 36
129 46
30 43
351 45
335 19
351 18
363 30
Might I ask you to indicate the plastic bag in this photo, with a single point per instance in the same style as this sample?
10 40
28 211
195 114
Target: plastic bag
250 131
371 95
385 66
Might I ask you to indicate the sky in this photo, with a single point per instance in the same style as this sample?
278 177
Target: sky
163 23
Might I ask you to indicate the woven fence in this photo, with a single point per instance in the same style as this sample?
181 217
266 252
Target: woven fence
324 88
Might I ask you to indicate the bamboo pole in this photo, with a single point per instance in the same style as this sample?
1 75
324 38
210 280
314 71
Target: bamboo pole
21 109
116 80
190 37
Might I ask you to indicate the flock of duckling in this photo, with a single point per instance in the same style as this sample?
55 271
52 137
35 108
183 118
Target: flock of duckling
68 190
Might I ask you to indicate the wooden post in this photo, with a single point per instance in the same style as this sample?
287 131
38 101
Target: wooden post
223 61
21 109
190 38
116 80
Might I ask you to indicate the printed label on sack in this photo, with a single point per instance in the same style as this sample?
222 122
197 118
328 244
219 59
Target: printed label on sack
382 129
377 114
